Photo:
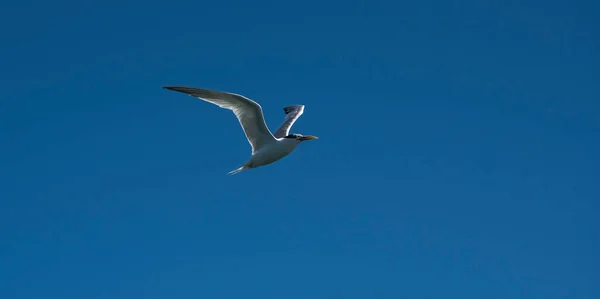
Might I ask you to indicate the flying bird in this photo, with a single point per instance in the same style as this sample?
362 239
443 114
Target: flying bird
266 147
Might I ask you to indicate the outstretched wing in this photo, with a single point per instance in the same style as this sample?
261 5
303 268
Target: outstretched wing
248 112
292 114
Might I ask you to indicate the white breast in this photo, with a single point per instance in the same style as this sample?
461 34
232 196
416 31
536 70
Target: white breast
273 152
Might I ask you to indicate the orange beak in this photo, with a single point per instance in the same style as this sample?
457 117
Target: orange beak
309 137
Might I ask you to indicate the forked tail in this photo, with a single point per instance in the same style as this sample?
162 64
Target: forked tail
236 171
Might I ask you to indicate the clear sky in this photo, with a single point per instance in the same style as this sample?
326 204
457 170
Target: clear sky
458 153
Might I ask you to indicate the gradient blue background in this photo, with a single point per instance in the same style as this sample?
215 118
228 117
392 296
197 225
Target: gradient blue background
458 150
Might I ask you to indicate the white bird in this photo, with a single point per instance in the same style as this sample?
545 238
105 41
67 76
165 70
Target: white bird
266 147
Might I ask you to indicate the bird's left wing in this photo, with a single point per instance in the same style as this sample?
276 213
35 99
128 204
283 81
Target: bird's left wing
292 114
248 112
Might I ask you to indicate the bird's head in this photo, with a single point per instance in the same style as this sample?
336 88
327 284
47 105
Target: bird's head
300 137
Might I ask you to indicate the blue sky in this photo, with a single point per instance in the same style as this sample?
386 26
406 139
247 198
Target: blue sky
458 150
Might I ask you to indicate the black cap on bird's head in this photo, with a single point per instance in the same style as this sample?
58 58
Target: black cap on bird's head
300 137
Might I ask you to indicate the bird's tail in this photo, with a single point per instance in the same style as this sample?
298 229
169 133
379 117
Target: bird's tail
236 171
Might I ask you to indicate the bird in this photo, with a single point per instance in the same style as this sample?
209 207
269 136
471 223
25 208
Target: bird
266 146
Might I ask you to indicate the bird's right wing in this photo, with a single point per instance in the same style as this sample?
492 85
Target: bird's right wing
292 114
248 112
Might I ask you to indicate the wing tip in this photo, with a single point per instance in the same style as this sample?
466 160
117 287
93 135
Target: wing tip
176 88
181 89
171 87
289 109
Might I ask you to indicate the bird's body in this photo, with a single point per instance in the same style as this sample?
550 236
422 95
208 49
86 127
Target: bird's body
270 154
266 147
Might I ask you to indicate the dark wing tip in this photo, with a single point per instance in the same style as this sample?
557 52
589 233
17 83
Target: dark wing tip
175 88
170 87
182 89
289 109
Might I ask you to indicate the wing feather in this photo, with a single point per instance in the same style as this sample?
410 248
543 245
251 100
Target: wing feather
292 114
248 112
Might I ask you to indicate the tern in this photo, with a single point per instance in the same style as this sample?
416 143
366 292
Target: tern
266 147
